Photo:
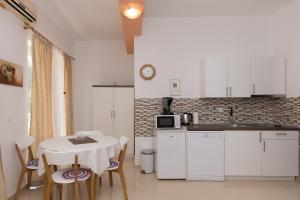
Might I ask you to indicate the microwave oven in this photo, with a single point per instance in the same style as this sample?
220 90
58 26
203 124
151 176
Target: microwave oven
167 121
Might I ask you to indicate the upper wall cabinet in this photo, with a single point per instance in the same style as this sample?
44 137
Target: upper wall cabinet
238 77
214 77
268 76
225 77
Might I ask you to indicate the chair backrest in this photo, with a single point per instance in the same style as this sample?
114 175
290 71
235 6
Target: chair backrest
123 142
25 142
51 158
88 133
58 158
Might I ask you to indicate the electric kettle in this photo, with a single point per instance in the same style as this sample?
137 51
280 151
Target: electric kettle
186 119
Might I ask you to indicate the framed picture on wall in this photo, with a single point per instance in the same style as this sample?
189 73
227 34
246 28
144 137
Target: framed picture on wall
11 74
175 89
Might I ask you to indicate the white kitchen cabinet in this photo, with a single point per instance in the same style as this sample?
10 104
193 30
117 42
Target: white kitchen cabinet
215 77
113 112
170 154
226 77
280 153
268 76
103 104
242 153
238 77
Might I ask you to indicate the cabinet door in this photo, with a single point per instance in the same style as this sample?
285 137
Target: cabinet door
268 76
280 158
103 110
124 115
242 153
170 155
215 83
239 77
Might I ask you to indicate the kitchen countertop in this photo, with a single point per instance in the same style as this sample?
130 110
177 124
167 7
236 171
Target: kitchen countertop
244 127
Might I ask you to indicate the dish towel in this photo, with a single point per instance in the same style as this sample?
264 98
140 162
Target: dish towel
2 181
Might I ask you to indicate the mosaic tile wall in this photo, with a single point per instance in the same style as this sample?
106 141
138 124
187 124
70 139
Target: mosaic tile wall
246 110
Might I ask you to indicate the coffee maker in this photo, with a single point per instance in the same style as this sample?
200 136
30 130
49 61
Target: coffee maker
166 103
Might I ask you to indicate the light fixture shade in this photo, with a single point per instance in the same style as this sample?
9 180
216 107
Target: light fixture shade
132 10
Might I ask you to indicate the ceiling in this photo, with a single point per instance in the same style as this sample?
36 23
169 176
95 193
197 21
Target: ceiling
100 19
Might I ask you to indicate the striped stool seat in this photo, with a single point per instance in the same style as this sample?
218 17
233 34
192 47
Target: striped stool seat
113 165
33 164
66 176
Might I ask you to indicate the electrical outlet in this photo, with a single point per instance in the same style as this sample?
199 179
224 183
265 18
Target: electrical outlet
9 118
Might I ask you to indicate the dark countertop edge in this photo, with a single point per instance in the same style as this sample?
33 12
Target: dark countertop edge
113 86
206 127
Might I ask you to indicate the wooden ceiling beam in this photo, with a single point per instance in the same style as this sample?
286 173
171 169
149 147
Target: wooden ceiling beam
131 27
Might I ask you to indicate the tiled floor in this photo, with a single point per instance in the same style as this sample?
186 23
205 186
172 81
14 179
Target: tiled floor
147 187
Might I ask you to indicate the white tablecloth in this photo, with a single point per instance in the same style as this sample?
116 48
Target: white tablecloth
93 155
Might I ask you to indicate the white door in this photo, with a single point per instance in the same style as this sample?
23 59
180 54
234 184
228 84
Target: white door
242 153
124 115
205 156
239 77
170 155
215 83
103 110
280 158
268 76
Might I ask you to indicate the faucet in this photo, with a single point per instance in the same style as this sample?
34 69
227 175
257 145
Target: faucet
231 115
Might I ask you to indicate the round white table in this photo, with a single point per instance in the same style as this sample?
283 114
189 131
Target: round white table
92 155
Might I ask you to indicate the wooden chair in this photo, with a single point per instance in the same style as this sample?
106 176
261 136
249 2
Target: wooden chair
27 167
3 195
71 175
117 166
88 133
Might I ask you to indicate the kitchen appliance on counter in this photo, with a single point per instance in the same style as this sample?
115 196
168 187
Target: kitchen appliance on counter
166 103
186 119
167 122
195 118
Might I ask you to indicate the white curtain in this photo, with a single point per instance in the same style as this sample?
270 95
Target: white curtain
58 99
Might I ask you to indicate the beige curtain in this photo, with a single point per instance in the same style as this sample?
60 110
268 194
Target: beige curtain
68 94
2 181
41 106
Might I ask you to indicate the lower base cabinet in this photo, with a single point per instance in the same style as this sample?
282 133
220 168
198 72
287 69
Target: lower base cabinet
280 154
265 153
242 153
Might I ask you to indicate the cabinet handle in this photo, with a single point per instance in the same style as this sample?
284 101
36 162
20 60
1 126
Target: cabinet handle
226 91
264 146
111 114
260 137
114 114
230 91
281 133
253 89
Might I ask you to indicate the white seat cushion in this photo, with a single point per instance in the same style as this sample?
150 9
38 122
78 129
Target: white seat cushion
66 176
33 164
113 165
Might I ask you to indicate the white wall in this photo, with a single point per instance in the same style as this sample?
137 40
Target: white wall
97 63
13 40
287 43
175 46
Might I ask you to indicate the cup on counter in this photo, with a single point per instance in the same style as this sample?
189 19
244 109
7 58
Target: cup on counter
195 118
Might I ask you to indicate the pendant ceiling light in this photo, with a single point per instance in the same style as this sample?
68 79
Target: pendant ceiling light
133 10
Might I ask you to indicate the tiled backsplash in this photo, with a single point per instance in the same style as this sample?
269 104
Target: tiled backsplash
246 110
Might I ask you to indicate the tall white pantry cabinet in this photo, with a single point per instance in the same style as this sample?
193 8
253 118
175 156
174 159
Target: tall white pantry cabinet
113 112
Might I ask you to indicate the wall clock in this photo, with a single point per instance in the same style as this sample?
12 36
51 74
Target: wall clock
147 72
